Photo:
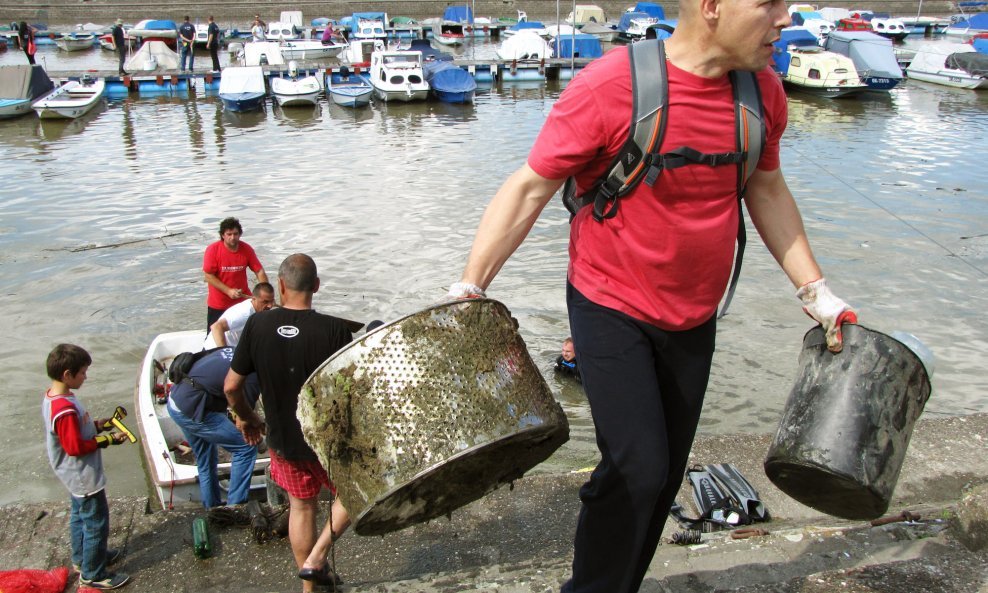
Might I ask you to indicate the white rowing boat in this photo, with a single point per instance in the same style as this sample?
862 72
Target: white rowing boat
173 474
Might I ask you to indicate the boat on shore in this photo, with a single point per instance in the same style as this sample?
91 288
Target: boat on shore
73 99
172 471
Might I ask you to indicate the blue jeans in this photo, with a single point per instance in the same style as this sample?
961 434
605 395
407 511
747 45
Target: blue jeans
216 430
89 528
187 53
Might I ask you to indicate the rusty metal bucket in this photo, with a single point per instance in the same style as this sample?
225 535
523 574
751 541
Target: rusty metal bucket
428 413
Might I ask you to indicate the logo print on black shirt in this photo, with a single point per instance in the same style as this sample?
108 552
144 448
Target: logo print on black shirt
288 331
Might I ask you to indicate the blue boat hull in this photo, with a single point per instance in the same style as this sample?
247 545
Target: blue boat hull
454 97
879 83
242 101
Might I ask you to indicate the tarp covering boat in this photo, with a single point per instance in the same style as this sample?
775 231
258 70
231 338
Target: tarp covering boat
797 36
579 45
242 79
152 56
978 22
974 63
871 53
258 53
447 79
651 9
458 14
24 82
625 23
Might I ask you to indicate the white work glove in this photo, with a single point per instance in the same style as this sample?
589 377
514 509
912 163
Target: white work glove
464 290
827 310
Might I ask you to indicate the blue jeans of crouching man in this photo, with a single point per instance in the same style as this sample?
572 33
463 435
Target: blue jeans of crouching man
89 528
204 437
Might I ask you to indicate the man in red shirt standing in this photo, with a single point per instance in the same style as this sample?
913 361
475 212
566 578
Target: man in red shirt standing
644 285
224 268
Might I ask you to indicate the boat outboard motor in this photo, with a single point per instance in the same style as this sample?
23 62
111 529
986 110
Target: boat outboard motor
263 60
293 69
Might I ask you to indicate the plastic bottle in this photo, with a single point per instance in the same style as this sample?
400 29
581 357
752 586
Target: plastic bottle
200 538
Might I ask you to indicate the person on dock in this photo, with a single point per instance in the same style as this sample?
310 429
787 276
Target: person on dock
284 346
25 41
644 285
257 30
224 268
186 41
226 331
119 45
566 361
213 43
198 406
74 451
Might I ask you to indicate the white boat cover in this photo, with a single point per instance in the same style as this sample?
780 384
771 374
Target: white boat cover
524 45
24 82
153 56
242 79
871 53
933 56
271 50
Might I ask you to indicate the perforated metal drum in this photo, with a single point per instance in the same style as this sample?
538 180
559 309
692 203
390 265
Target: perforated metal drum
428 413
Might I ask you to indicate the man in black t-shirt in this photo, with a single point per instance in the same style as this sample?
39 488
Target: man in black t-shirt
186 39
213 43
284 346
119 44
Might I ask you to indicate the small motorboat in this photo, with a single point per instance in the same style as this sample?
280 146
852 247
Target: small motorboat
174 476
73 99
242 88
807 67
76 41
155 30
448 33
262 53
397 75
310 49
447 81
524 45
358 53
296 90
633 25
348 89
951 64
20 86
873 57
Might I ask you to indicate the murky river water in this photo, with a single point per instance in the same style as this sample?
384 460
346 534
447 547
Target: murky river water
386 199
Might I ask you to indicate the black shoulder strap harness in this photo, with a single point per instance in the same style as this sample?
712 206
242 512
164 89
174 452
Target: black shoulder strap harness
639 158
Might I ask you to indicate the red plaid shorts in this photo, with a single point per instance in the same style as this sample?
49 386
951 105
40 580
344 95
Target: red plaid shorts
301 479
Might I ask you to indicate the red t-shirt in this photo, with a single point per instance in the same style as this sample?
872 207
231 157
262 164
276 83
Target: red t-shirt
666 257
231 268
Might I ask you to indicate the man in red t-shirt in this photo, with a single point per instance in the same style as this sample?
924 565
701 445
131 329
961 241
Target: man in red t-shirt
224 268
644 286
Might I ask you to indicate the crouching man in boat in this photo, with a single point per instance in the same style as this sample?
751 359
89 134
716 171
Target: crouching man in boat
197 404
284 346
226 330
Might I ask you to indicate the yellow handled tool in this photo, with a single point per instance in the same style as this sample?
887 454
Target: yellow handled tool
117 422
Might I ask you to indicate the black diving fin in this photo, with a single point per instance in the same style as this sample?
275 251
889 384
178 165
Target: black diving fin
712 501
740 490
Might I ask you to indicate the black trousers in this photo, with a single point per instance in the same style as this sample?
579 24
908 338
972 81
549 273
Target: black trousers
212 316
121 58
214 54
30 57
645 387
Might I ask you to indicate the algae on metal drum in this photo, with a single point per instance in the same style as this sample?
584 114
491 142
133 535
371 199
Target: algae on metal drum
429 413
